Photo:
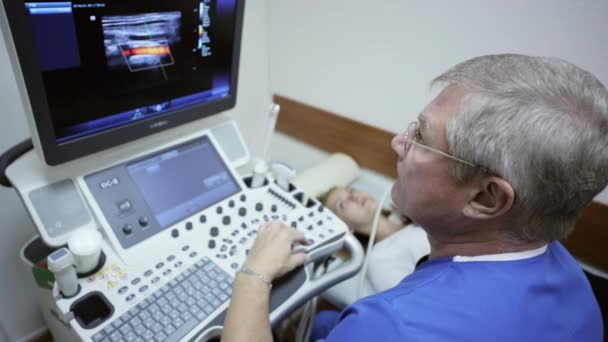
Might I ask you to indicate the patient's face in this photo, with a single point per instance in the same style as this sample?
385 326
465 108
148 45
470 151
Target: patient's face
355 208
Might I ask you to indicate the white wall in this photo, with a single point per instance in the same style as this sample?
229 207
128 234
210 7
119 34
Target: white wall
372 60
18 311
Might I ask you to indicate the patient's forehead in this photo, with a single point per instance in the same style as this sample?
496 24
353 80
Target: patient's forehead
335 195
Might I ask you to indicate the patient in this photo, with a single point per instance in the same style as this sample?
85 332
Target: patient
399 247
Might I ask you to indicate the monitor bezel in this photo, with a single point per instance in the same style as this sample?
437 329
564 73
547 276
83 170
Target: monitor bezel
55 153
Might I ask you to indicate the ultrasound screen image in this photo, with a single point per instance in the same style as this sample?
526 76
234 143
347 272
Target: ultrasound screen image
142 41
107 63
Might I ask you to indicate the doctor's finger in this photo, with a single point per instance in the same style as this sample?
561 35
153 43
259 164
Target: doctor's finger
296 235
296 260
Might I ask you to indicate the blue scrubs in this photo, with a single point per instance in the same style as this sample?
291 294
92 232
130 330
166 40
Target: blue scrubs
543 296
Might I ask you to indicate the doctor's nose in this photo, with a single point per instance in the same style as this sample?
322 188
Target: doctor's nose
398 144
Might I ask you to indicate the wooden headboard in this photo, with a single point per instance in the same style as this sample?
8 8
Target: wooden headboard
370 147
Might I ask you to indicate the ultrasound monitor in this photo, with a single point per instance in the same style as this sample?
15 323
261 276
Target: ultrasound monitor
100 73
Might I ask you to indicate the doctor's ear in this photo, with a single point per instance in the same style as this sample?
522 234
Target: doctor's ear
492 197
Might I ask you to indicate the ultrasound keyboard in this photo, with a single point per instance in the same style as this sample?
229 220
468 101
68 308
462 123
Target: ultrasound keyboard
175 309
176 237
185 290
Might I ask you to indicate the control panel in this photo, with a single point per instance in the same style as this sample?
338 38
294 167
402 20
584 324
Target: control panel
143 197
195 221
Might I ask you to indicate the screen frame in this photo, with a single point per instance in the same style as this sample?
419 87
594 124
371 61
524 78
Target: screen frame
55 153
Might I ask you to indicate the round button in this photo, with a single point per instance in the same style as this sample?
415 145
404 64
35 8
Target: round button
273 208
294 224
259 206
203 219
242 211
219 210
321 208
226 220
189 225
211 244
243 198
127 229
214 231
143 221
231 204
175 233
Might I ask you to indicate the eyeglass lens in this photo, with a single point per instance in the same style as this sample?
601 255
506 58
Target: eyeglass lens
410 134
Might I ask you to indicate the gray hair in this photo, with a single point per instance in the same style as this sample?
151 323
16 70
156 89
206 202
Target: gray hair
539 123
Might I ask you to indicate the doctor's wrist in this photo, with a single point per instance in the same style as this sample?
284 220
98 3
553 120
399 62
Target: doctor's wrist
253 274
262 266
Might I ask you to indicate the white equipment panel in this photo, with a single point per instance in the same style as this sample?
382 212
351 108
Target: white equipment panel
169 258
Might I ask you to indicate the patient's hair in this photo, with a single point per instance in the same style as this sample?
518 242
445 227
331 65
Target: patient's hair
539 123
325 196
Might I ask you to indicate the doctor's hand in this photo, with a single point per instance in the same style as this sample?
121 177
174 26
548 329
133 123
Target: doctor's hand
271 254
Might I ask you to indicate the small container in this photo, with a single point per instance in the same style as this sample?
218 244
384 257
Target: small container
85 245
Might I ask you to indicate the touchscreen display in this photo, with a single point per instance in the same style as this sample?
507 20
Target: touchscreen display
182 181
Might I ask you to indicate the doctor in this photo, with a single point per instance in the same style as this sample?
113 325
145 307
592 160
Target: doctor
496 170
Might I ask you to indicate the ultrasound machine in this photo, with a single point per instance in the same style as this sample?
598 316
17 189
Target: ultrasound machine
133 182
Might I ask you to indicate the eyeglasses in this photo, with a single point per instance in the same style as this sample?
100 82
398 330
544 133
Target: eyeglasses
413 134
